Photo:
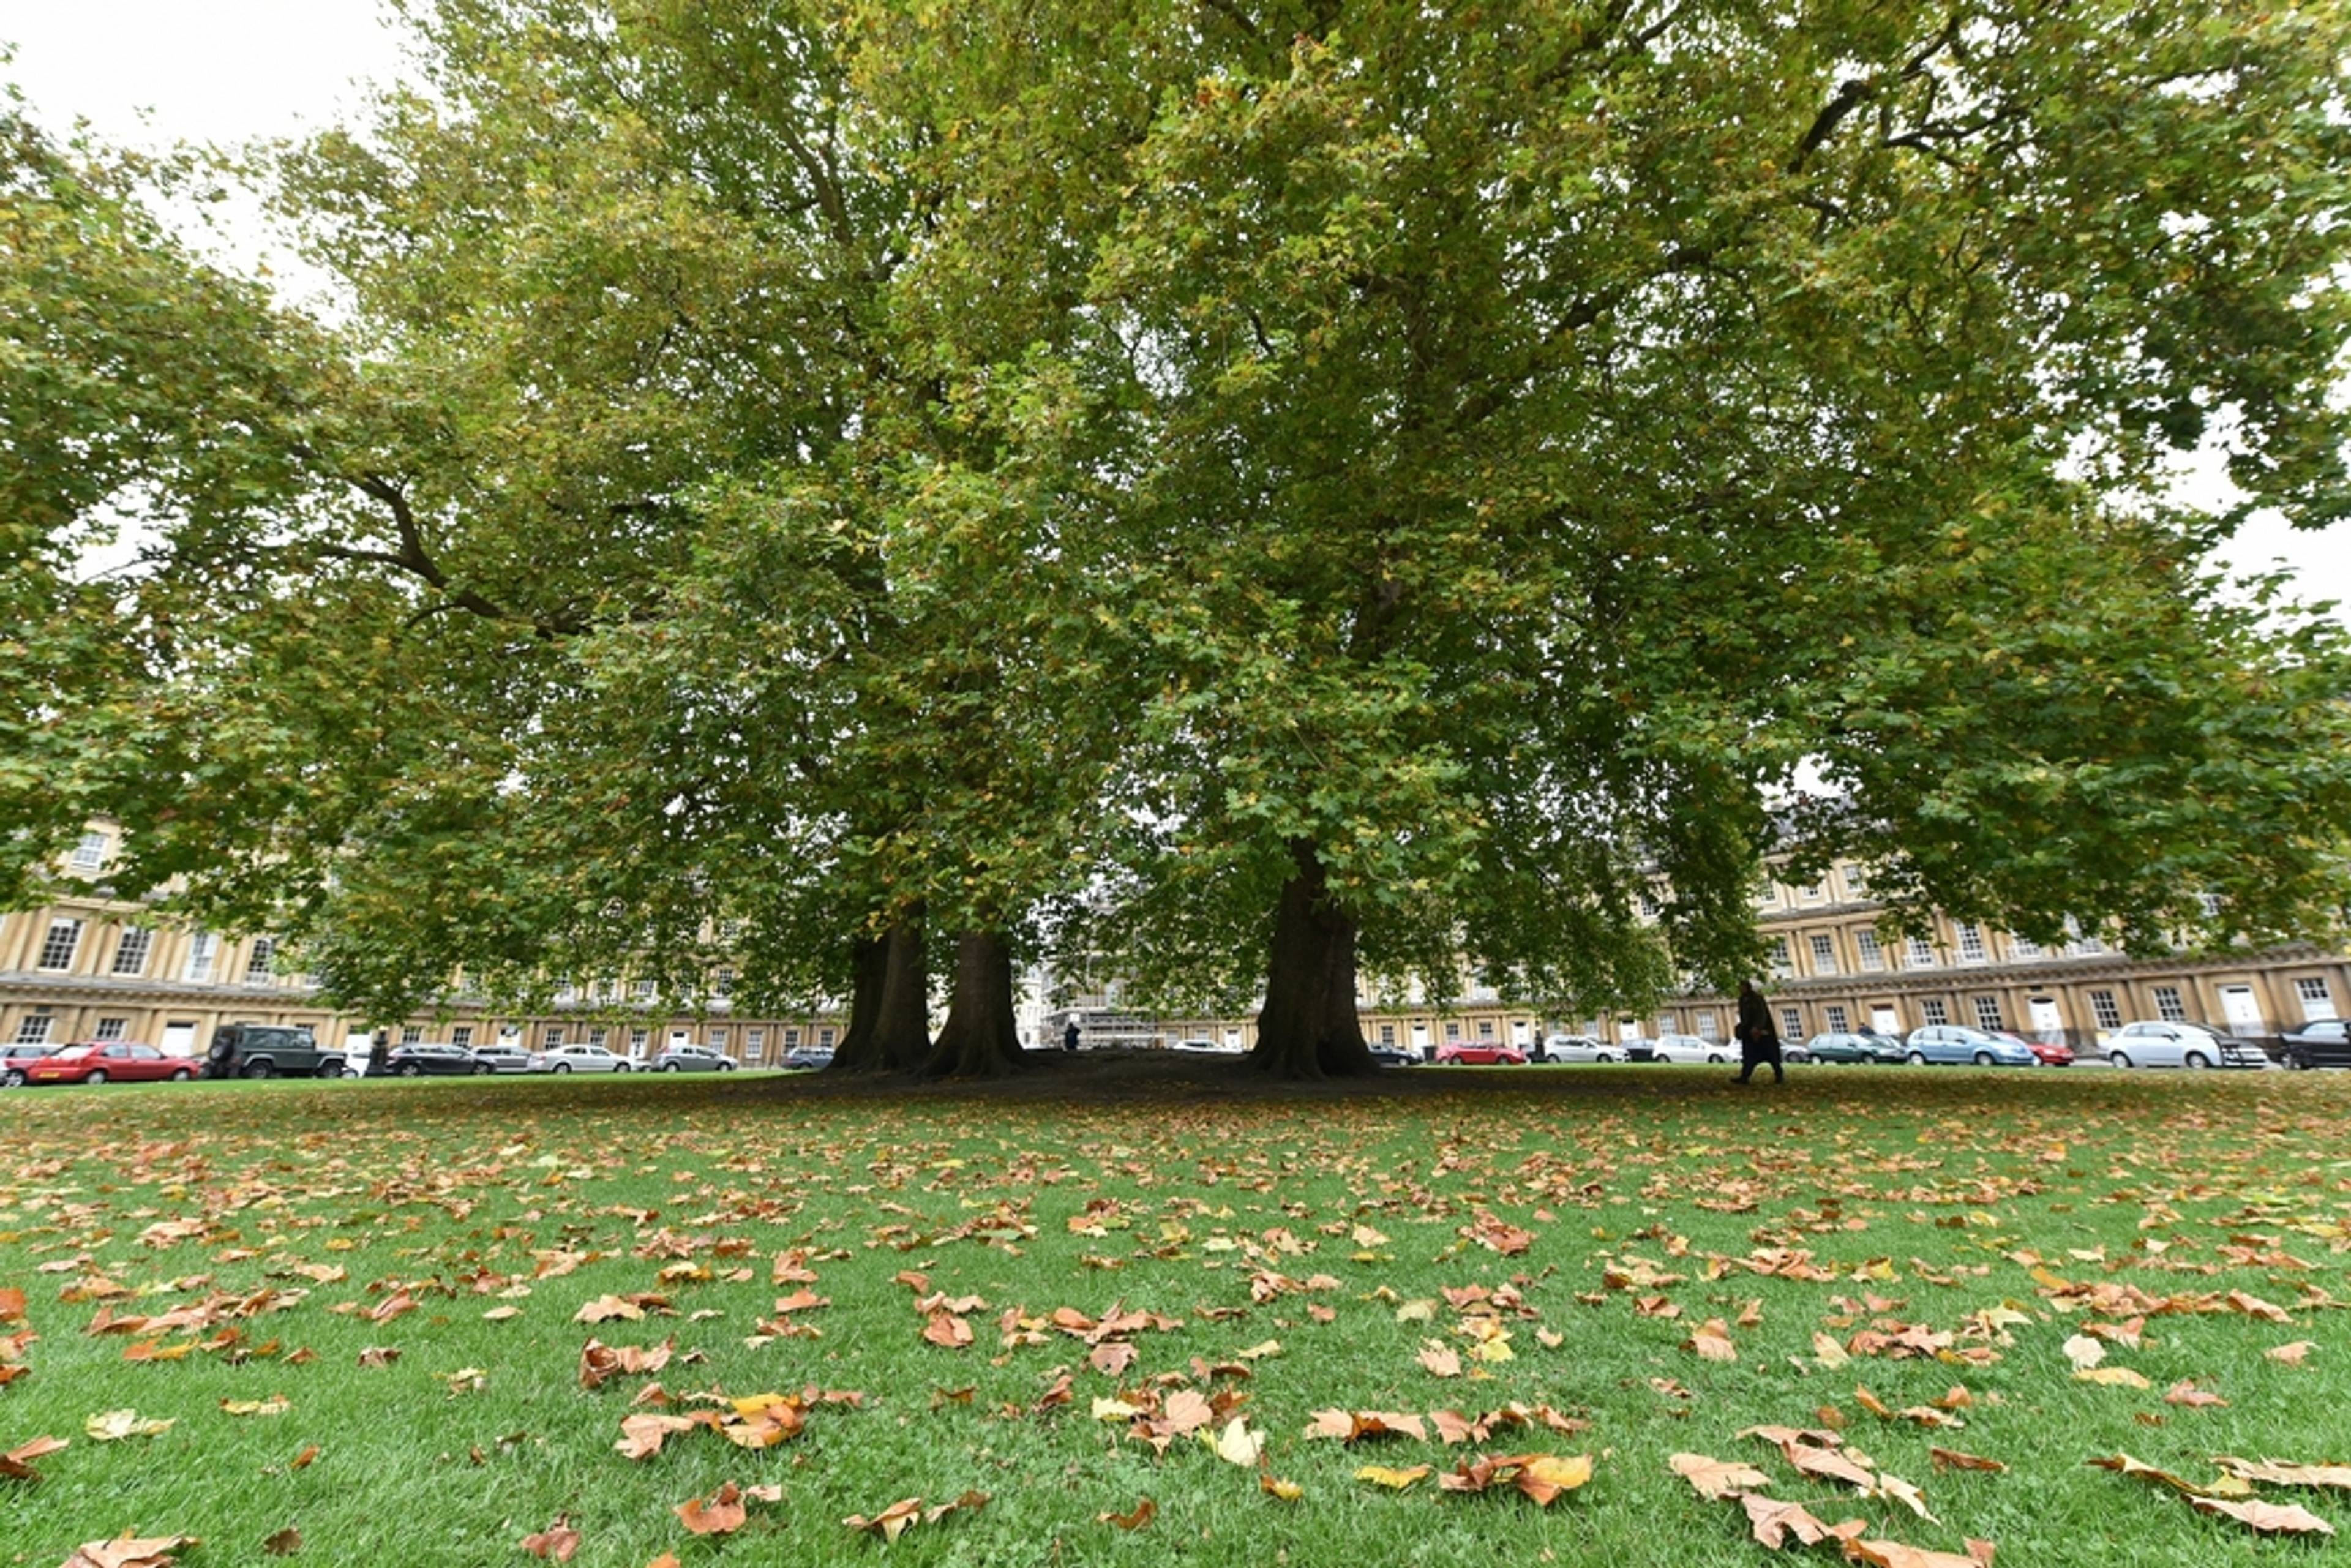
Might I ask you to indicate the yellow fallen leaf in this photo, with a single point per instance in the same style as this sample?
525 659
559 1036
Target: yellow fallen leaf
1394 1479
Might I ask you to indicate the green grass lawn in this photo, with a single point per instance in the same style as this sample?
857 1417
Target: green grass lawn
1855 1229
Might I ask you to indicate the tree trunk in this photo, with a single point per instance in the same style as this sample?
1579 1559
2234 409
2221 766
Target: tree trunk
980 1037
890 1008
1309 1027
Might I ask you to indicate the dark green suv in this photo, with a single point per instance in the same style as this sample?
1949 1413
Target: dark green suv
269 1050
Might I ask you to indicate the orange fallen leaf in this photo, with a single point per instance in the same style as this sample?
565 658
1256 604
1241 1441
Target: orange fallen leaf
1142 1515
1773 1522
284 1543
1894 1554
947 1331
16 1464
1711 1340
558 1541
2185 1392
303 1461
1273 1486
1953 1459
2290 1355
11 1304
720 1514
1440 1359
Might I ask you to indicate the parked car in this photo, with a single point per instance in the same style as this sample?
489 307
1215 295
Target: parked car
2150 1042
15 1058
808 1058
1951 1042
423 1056
1210 1048
268 1050
1393 1056
109 1060
2048 1053
692 1059
1479 1054
577 1059
2325 1043
1638 1048
1576 1048
503 1056
1864 1046
1690 1048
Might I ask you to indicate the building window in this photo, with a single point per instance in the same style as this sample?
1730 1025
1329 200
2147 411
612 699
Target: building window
1872 957
1988 1013
645 990
1708 1029
1781 964
412 1034
1971 942
90 854
1818 893
33 1028
1388 1034
637 1037
203 949
1485 1029
595 1037
131 953
2318 1000
824 1039
554 1036
2079 944
1837 1019
256 966
791 1037
1452 1028
2022 947
722 984
2212 905
1645 904
2105 1010
1933 1011
1921 954
1792 1023
64 939
462 1034
2168 1006
716 1039
1823 954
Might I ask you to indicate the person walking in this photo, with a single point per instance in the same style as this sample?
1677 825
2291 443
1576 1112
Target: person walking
379 1053
1070 1036
1759 1037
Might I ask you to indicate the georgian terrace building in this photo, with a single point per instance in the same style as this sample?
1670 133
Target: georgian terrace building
91 966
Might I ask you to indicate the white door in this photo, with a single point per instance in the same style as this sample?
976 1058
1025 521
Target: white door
2243 1013
1628 1029
1419 1035
1518 1034
179 1040
2048 1023
1885 1021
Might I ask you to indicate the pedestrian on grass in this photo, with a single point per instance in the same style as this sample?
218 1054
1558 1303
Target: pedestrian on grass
379 1052
1759 1037
1070 1036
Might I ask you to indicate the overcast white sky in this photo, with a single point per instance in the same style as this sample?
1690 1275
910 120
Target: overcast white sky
151 72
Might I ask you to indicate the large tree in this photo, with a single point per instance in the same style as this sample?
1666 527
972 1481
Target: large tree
1557 432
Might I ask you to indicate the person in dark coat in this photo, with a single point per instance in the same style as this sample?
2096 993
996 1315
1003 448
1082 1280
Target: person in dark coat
1070 1036
379 1052
1759 1037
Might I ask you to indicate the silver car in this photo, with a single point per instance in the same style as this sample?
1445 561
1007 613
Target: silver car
2152 1043
692 1059
1576 1048
1690 1048
577 1059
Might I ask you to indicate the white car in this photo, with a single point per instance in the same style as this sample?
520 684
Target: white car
577 1059
1576 1048
1689 1049
2153 1043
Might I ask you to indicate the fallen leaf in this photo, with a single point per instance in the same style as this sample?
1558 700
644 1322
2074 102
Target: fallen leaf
1953 1459
1711 1340
16 1464
721 1513
2113 1377
126 1551
2286 1473
1237 1445
1288 1491
558 1541
1394 1480
1716 1478
1440 1359
2265 1518
1773 1522
2085 1352
1894 1554
2290 1355
1141 1516
284 1543
2186 1393
113 1425
2124 1465
276 1405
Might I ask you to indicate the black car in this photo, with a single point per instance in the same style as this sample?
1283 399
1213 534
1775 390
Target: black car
269 1050
2325 1042
415 1061
1393 1056
13 1058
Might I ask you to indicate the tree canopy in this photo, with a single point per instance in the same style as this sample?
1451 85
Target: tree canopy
1252 493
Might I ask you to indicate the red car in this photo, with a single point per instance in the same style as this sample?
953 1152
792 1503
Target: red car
1479 1054
2044 1052
98 1062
